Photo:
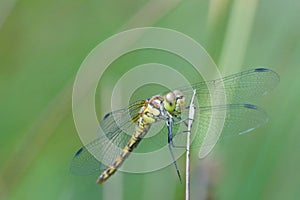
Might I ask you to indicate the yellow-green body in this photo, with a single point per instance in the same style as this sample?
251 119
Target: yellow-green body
155 108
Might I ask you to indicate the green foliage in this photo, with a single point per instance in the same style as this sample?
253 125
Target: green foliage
43 43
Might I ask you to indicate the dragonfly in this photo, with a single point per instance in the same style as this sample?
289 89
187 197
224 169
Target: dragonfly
113 146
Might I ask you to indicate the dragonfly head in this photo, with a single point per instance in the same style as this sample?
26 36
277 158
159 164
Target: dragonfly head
174 101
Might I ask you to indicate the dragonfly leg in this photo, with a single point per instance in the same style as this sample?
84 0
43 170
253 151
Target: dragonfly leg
170 124
177 146
170 142
170 131
175 163
180 120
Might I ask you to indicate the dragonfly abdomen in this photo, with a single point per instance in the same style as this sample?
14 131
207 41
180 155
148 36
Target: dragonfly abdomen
148 115
131 144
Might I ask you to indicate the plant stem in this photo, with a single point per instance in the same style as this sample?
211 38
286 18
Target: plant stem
187 169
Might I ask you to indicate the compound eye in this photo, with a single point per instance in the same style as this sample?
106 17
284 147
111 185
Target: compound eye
170 97
178 94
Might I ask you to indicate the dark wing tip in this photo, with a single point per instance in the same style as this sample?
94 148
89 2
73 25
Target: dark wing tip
78 152
106 115
275 75
254 107
262 70
250 106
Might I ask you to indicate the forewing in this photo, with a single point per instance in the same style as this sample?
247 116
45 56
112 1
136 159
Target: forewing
242 87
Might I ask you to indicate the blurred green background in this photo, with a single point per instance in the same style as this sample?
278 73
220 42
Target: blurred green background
43 43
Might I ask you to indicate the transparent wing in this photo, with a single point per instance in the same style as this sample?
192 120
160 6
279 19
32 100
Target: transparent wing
239 88
116 130
117 126
239 119
242 87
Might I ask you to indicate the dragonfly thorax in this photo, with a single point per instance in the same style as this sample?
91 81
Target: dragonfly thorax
161 107
153 111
